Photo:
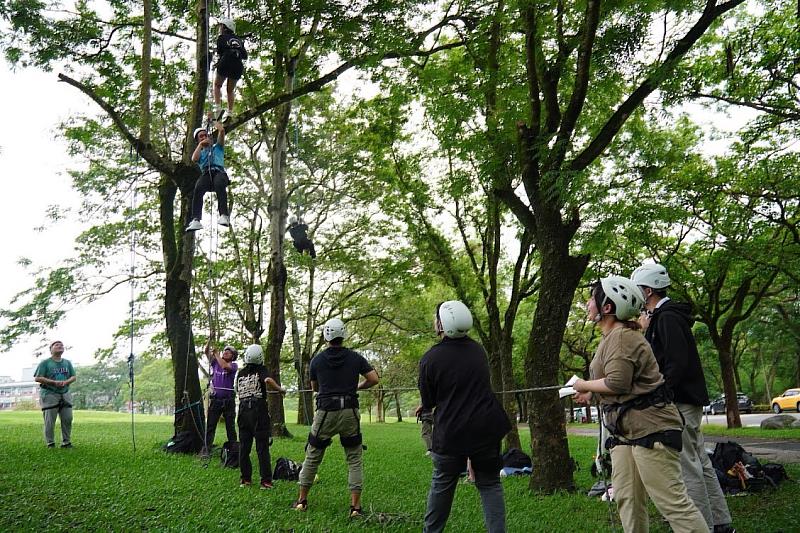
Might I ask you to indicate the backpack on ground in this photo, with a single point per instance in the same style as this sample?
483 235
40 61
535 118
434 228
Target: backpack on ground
738 471
516 458
183 442
286 469
230 455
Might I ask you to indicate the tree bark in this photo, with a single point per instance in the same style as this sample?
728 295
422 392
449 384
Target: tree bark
398 411
560 275
178 251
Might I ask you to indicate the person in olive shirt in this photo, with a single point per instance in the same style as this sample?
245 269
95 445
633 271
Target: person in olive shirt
468 421
644 424
54 376
334 374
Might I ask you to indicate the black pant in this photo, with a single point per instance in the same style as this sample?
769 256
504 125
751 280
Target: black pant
303 245
254 423
215 180
221 407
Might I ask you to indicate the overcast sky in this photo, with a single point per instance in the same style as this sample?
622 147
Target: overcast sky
33 161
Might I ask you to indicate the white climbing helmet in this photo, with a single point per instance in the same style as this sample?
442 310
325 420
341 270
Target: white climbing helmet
228 23
626 295
455 319
654 276
333 329
254 355
196 131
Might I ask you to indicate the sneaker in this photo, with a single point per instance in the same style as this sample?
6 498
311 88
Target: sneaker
266 485
51 445
194 225
224 220
227 115
204 454
356 512
67 445
300 505
245 483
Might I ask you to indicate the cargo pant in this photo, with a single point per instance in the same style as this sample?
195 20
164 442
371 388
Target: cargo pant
345 423
57 405
638 472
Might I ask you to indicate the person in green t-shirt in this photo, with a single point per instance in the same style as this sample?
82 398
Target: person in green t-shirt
54 376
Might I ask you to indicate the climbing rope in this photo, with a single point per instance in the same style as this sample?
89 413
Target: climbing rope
131 357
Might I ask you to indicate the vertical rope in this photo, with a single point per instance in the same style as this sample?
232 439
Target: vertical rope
133 313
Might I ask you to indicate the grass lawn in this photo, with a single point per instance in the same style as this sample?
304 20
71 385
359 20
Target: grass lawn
787 433
102 485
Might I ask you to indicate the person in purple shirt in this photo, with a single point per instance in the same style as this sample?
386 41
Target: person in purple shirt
222 401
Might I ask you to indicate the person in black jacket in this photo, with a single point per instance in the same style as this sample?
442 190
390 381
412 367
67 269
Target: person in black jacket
469 422
230 56
669 331
298 230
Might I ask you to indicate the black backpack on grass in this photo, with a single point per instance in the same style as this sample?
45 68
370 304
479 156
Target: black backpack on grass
286 469
230 454
516 458
727 454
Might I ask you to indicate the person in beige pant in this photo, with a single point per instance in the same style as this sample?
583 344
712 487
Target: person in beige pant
644 424
334 375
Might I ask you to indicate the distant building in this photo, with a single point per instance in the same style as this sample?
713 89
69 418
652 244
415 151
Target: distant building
27 373
13 392
5 379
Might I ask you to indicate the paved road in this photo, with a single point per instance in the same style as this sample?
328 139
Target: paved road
766 450
753 420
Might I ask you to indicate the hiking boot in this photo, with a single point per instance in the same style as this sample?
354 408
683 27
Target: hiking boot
67 445
356 512
245 483
300 505
266 485
51 445
224 220
194 225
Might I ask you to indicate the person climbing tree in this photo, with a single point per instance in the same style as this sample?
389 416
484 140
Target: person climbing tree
230 56
211 159
299 232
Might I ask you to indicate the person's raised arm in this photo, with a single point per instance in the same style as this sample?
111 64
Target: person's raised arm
199 148
223 364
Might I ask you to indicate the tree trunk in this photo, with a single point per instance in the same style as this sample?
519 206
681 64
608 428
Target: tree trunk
379 407
723 344
397 406
278 209
560 275
178 251
509 401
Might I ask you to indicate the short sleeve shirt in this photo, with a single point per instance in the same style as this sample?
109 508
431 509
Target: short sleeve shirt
251 383
336 371
59 371
212 157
